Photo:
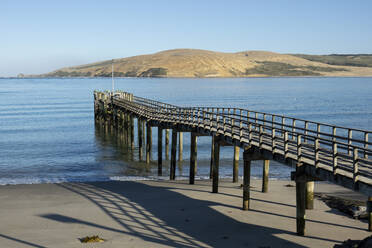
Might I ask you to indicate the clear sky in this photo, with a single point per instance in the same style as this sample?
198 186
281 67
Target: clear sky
40 36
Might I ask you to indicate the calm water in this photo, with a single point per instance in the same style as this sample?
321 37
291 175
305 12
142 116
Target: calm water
47 131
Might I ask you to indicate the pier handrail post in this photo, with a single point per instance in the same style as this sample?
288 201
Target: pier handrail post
285 144
355 168
334 129
299 148
250 133
240 130
273 142
293 128
349 141
260 140
318 130
334 151
255 121
365 145
316 152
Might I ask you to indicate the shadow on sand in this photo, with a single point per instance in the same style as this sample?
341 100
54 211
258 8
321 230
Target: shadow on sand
162 216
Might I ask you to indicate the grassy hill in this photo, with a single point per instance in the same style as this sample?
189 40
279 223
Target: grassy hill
361 60
203 63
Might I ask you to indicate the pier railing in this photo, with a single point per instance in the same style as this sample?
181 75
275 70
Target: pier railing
319 151
342 150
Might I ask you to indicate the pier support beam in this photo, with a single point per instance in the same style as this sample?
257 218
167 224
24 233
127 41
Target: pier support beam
180 146
216 162
265 176
148 142
310 195
300 207
131 131
212 159
193 157
140 138
144 130
160 151
236 164
369 211
167 144
300 201
172 174
246 179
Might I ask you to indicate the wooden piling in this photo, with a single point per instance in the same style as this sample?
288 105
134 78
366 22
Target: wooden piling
172 175
180 146
167 144
300 200
148 142
193 157
216 162
160 151
369 211
144 131
310 195
140 138
265 176
246 182
131 131
236 164
212 159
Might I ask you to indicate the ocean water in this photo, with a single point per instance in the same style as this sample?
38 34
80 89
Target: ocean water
48 133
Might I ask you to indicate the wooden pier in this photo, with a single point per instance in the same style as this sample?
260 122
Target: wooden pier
318 151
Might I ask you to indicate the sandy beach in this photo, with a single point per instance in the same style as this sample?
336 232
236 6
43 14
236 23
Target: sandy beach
167 214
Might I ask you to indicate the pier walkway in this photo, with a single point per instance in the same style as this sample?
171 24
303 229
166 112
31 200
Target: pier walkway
318 151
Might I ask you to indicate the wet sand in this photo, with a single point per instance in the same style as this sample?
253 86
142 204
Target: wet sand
168 214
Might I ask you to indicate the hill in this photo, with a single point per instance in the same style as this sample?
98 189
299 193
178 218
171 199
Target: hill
203 63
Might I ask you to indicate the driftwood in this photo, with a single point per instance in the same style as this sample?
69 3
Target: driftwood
353 208
365 243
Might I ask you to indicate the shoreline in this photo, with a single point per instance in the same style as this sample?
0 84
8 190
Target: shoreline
360 76
168 214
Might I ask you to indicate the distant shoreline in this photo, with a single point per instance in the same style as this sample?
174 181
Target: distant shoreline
367 76
196 63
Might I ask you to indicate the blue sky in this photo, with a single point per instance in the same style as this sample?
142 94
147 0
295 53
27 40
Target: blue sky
41 36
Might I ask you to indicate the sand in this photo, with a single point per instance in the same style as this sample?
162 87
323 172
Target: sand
167 214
